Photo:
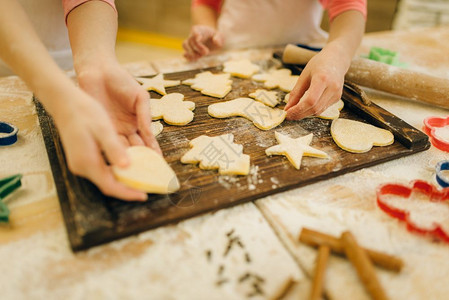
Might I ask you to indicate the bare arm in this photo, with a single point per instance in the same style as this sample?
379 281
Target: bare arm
321 82
85 128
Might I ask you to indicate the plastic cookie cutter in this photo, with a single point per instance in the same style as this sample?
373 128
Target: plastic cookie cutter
435 226
385 56
442 173
438 130
8 134
7 186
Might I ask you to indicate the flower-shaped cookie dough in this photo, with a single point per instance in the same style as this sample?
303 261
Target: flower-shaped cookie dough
157 83
218 152
172 109
281 78
420 205
359 137
242 68
438 131
295 149
209 84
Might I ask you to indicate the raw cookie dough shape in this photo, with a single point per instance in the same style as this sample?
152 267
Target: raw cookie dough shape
209 84
172 109
242 68
262 116
219 152
331 113
156 128
294 149
358 137
269 98
148 171
157 83
281 78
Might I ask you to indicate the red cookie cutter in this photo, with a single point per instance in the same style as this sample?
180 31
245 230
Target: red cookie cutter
430 124
434 194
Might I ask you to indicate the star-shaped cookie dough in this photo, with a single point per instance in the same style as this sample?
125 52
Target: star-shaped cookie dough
269 98
242 68
157 83
209 84
281 78
172 109
294 149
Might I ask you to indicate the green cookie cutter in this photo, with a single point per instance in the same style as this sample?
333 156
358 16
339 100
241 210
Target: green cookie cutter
7 186
385 56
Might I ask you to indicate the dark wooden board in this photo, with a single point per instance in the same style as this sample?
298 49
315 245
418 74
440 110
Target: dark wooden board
92 219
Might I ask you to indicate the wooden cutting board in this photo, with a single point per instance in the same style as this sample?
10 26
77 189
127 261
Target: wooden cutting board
92 218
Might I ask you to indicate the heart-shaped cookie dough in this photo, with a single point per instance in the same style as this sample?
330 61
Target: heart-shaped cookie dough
358 137
148 171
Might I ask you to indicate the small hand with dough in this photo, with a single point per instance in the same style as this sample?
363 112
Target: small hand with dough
87 132
202 40
125 101
319 85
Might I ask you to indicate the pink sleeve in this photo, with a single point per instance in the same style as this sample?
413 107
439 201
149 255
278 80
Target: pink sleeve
214 4
336 7
69 5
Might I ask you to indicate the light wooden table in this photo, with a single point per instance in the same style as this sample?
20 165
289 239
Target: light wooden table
188 260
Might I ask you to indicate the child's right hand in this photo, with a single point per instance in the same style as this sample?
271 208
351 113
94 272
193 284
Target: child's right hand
202 40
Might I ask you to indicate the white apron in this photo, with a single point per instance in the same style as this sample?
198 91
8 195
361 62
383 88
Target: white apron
258 23
47 17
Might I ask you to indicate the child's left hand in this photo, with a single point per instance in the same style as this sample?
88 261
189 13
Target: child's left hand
320 84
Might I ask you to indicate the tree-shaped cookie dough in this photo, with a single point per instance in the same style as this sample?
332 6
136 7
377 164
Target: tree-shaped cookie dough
157 83
242 68
269 98
281 78
219 152
358 137
295 149
263 117
209 84
172 109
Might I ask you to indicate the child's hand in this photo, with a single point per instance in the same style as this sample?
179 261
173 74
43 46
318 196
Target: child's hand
319 86
124 99
201 41
115 114
87 132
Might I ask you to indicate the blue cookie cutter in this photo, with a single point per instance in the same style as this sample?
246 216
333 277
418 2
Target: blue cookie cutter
442 173
11 134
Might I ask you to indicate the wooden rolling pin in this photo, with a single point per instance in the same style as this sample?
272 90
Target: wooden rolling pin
383 77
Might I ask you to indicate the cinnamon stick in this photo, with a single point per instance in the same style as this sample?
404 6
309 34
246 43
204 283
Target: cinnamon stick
363 265
320 269
317 239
